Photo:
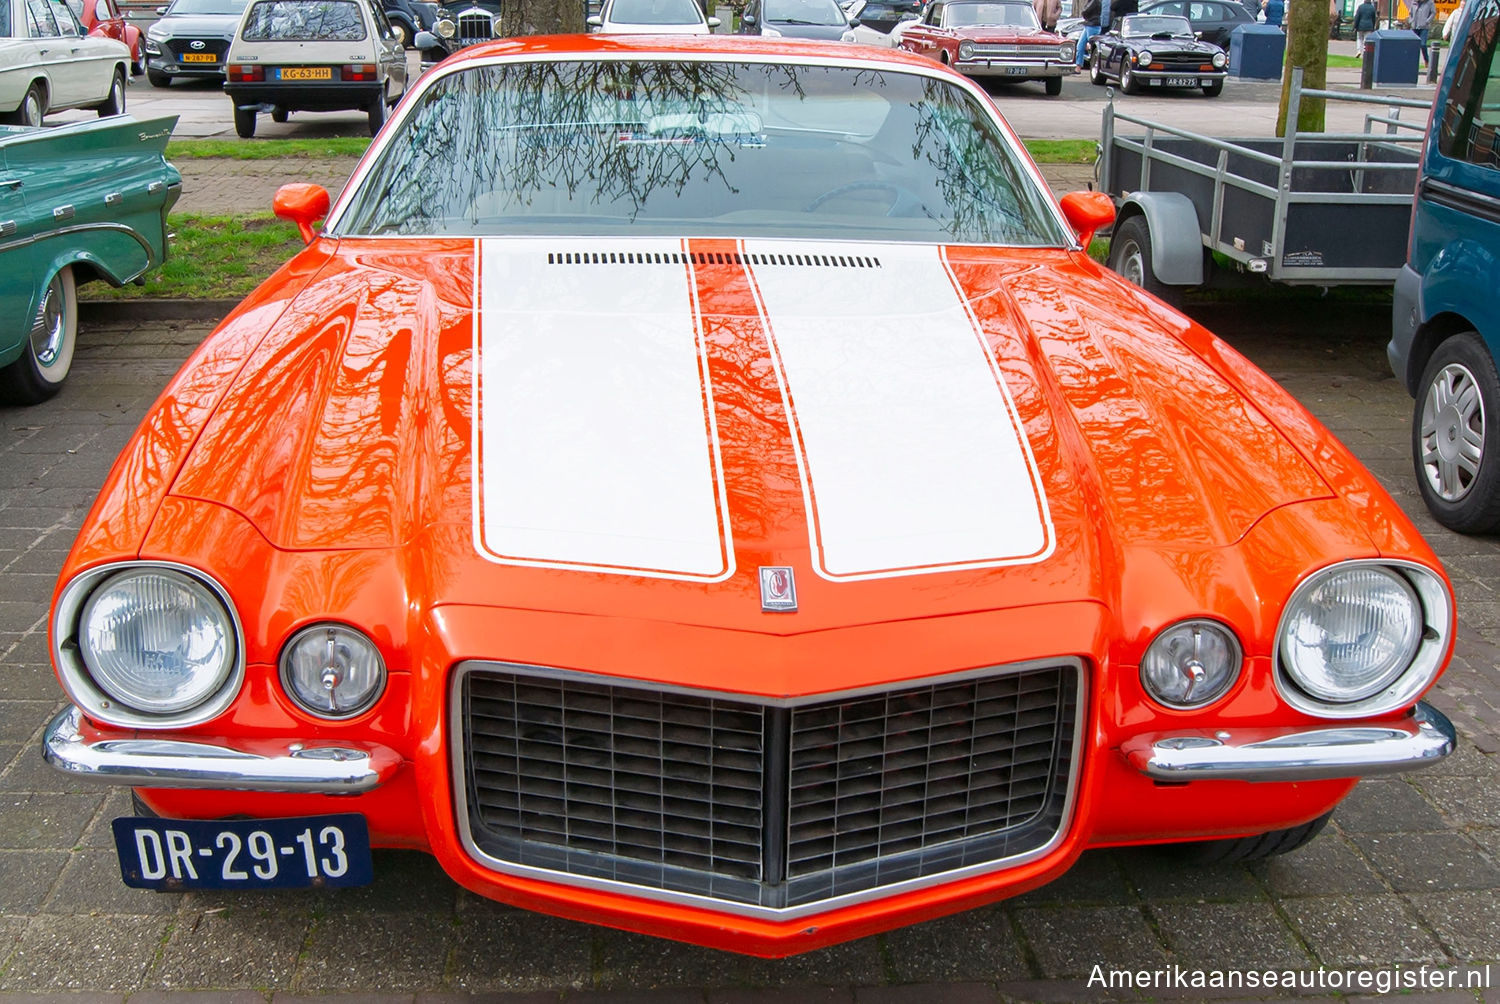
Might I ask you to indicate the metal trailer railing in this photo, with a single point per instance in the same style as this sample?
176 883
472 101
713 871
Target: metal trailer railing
1309 208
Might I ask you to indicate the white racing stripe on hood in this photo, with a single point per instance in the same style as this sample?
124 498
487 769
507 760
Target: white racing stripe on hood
912 457
597 449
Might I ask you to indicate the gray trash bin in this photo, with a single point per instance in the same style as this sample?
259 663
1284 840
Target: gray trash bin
1392 55
1256 51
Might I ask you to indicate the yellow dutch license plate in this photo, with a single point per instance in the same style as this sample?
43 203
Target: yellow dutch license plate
306 73
199 57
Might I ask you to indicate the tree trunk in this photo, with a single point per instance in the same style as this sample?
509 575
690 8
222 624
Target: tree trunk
542 17
1306 46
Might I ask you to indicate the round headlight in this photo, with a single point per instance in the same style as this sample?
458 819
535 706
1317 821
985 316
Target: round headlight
1067 51
445 28
1349 632
332 671
1191 664
965 50
156 640
1143 57
1218 60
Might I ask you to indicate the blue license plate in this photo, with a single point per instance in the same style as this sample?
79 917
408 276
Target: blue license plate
173 854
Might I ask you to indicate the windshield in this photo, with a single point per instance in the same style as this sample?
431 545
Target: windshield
304 21
824 12
655 12
700 148
960 15
1156 24
235 7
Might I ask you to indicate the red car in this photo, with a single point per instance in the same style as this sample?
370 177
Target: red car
997 39
103 18
703 486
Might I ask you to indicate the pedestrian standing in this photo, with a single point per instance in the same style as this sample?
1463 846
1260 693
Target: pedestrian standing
1047 12
1421 20
1365 20
1274 10
1095 15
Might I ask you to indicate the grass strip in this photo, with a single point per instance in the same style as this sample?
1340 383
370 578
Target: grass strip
1062 151
212 258
328 148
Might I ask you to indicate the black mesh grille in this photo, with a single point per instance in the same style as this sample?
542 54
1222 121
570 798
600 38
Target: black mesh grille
177 47
760 804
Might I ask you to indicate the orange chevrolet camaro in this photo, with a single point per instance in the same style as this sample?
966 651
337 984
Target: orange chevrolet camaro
704 487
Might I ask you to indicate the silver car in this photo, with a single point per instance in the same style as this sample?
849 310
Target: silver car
191 39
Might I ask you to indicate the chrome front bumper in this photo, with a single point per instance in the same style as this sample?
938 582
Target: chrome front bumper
1355 749
277 765
979 66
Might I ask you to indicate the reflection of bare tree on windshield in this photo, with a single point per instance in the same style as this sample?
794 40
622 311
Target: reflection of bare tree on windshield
698 148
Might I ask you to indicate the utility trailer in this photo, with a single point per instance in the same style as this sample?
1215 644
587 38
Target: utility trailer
1320 209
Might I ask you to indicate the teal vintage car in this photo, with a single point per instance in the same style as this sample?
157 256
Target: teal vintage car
77 203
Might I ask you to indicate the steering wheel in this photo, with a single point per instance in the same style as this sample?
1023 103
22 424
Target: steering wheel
903 200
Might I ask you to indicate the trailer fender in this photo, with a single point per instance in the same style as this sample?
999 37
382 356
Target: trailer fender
1176 240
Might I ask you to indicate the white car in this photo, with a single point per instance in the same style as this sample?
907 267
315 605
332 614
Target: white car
49 63
313 55
652 17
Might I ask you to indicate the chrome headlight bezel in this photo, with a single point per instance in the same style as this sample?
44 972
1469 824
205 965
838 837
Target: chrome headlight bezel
966 49
78 681
1219 60
1143 57
1068 51
1434 613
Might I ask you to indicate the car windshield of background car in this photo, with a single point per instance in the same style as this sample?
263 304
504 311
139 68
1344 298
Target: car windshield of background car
1155 24
655 12
824 12
304 21
208 7
700 148
963 15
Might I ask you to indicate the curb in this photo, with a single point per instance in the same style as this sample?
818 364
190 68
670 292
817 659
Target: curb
115 311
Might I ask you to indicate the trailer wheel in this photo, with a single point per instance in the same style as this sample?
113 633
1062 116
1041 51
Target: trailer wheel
1130 255
1455 435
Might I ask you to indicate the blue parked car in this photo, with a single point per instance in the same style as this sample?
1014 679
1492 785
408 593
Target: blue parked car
1446 321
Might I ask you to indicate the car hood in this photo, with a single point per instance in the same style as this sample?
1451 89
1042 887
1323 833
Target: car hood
197 25
548 419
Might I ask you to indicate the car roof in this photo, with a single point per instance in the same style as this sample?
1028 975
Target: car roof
689 47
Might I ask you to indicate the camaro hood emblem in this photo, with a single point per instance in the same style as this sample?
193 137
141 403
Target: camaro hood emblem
778 589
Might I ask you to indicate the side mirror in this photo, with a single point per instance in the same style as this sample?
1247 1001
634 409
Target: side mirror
595 21
714 22
1086 212
747 19
854 22
426 40
160 11
303 205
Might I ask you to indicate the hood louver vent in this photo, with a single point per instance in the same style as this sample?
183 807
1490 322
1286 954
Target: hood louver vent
708 258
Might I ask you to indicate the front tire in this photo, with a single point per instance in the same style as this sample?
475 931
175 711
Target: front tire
1054 86
157 79
138 62
47 356
115 103
1096 69
244 122
1242 849
1214 89
1128 83
1455 435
